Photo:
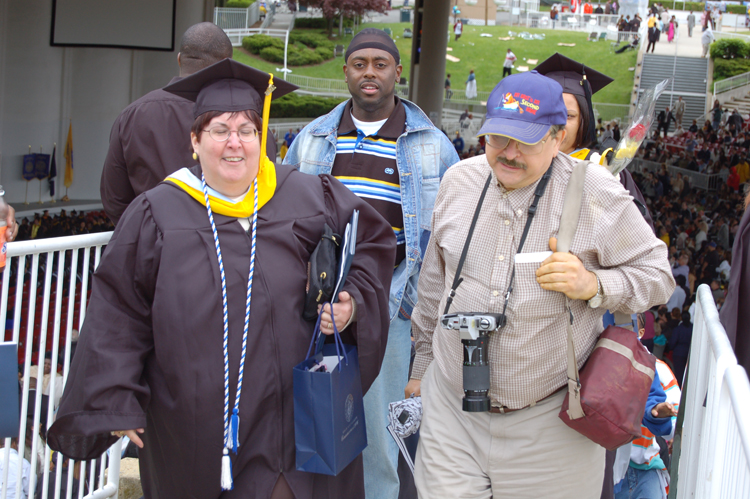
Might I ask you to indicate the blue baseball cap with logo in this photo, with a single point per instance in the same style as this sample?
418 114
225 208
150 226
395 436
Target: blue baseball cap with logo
523 107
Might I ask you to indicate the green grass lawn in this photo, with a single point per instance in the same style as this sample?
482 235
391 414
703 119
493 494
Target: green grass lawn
485 55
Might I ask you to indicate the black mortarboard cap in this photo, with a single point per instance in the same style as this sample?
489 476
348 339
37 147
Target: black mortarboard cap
569 74
228 86
576 79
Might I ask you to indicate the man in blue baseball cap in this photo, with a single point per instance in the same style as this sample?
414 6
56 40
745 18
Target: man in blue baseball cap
511 443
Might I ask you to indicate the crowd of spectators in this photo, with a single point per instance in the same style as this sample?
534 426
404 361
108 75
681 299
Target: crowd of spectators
62 224
697 225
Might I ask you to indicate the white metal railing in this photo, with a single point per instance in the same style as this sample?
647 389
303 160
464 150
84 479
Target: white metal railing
571 21
707 182
236 35
728 84
332 87
270 13
728 34
49 280
612 112
715 458
232 18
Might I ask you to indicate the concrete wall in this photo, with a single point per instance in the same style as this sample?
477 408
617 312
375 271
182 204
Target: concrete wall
44 88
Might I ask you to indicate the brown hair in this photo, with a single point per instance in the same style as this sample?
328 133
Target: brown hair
202 121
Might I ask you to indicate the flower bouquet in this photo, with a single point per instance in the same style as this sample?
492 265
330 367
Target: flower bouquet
635 134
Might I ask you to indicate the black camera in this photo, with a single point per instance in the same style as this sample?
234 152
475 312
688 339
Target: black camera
474 330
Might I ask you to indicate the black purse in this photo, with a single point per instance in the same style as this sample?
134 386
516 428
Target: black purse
321 273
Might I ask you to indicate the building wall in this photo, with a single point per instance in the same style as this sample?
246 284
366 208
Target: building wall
43 89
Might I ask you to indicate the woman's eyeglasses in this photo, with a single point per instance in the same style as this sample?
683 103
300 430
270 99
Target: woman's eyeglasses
222 134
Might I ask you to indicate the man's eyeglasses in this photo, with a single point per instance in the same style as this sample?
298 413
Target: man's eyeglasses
500 142
220 134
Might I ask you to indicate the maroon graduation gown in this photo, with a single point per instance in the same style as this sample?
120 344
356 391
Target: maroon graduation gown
150 353
735 313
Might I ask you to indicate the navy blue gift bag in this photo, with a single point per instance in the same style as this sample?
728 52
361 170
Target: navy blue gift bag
329 416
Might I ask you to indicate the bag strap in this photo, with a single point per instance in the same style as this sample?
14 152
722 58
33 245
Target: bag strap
457 278
568 224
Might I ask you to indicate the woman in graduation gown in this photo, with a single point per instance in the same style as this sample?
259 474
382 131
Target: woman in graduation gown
579 84
151 358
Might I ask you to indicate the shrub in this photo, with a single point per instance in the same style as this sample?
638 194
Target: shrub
311 39
303 106
239 4
729 48
305 48
695 6
726 68
736 9
272 54
325 52
670 5
256 43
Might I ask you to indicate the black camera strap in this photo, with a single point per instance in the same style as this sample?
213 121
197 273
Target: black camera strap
538 193
457 278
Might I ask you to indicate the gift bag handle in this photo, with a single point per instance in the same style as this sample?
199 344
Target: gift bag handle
317 335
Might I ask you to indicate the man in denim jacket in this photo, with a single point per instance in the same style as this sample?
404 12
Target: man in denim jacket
387 151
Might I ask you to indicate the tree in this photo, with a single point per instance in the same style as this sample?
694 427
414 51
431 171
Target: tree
345 8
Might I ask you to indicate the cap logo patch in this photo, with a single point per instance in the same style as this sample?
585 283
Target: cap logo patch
513 104
510 104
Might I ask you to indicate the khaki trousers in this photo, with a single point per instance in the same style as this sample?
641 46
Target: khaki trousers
524 454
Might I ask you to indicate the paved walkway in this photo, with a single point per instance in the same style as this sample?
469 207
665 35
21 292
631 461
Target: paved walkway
684 45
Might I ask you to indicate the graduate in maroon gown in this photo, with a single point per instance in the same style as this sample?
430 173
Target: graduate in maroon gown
151 358
735 314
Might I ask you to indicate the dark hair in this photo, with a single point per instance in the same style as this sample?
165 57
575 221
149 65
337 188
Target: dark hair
686 318
202 121
203 44
583 124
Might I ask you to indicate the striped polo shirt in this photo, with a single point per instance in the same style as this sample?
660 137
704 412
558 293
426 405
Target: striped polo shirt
367 166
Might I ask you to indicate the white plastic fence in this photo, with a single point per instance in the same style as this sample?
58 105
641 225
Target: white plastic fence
728 34
728 84
231 18
715 459
570 21
236 35
697 180
330 86
49 280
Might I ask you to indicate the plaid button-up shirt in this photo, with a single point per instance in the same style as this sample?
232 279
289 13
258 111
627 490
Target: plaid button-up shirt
528 356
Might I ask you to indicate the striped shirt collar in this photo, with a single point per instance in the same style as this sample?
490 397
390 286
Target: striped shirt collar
392 129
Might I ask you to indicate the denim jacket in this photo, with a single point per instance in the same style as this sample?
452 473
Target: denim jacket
423 154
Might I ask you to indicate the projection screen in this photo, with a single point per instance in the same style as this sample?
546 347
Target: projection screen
134 24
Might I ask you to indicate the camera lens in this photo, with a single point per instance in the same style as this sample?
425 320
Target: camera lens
476 373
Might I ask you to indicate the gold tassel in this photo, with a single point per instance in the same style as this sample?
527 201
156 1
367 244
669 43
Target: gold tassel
266 113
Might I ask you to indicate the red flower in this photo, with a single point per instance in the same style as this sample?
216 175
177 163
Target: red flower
638 132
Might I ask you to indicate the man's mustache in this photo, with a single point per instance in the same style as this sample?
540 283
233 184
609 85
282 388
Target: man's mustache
511 162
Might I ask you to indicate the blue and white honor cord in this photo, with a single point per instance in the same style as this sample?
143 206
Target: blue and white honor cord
232 431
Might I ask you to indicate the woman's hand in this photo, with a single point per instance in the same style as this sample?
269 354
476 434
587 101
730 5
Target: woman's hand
132 435
342 312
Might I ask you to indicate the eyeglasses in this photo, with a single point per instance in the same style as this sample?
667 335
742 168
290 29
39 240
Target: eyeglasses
500 142
220 134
